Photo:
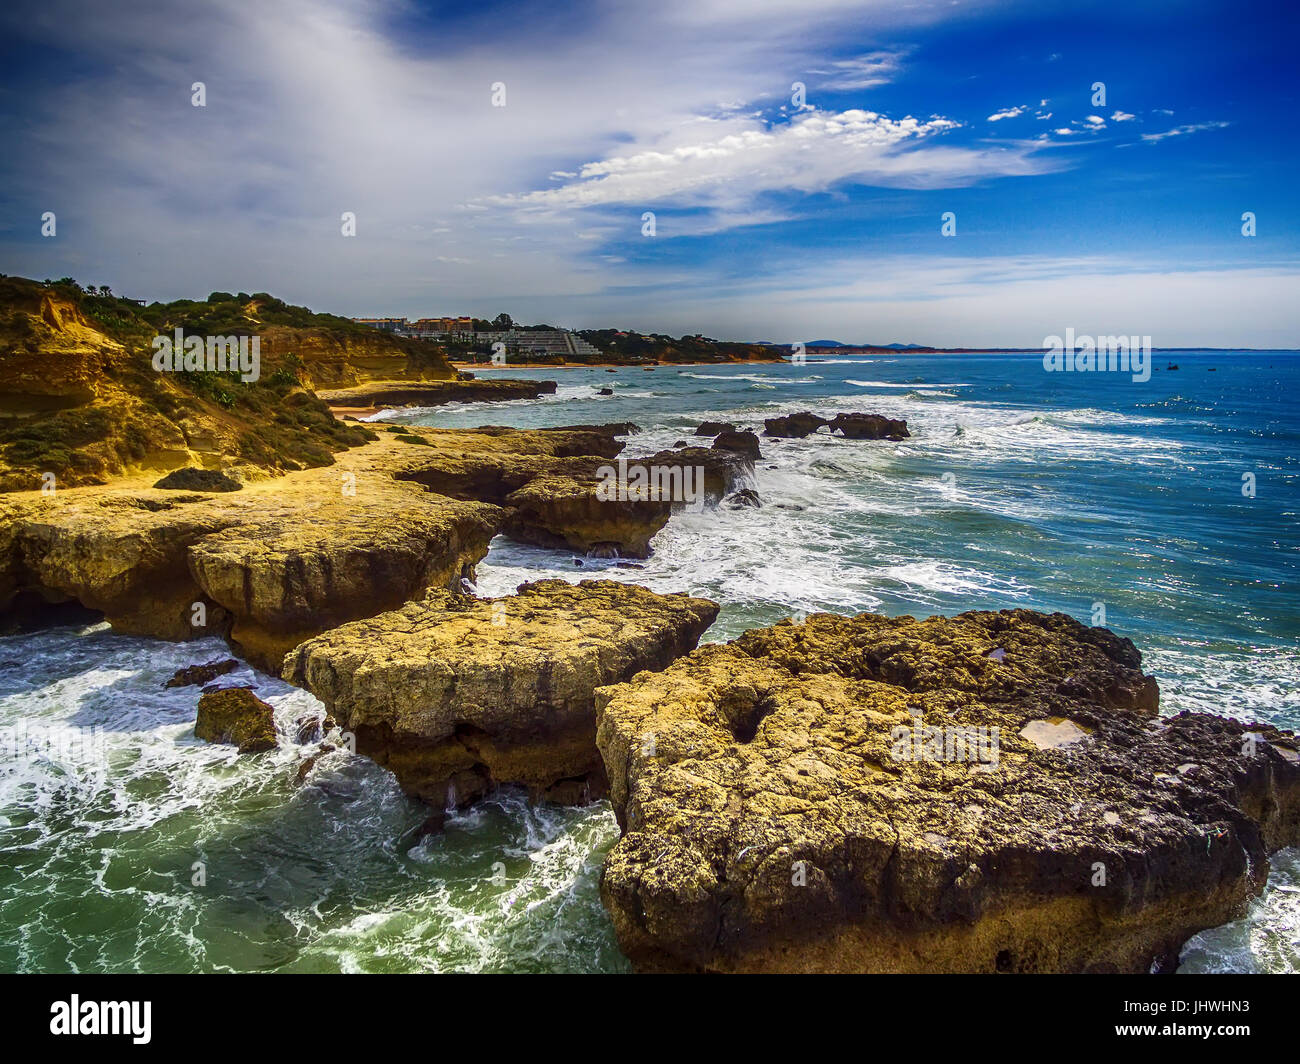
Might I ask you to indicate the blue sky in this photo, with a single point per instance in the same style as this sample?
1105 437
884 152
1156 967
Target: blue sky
772 221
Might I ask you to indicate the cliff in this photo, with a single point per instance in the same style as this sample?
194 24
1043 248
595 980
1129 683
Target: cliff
81 400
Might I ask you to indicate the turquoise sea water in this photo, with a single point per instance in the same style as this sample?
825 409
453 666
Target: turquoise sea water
1072 492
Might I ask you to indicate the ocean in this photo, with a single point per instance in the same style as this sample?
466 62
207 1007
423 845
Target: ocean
1169 510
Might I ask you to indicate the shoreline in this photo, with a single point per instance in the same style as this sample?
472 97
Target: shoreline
476 366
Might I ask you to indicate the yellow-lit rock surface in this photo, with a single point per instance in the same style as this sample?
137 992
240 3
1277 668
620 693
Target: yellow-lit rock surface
778 815
457 695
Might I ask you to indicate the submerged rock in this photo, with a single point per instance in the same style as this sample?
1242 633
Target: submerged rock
456 696
198 675
744 499
236 715
883 795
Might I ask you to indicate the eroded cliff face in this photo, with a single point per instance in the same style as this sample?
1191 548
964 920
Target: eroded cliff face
50 356
331 360
458 695
786 808
81 400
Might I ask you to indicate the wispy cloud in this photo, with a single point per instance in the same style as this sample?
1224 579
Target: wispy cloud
1182 131
860 72
728 163
1010 112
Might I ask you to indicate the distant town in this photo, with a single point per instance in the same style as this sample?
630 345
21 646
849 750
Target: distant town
535 344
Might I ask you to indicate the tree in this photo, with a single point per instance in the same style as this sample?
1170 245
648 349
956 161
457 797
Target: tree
502 322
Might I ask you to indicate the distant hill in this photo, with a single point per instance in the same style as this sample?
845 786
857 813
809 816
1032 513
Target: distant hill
874 347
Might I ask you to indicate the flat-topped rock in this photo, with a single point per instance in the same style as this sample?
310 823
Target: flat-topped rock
793 426
283 559
745 443
435 393
869 427
990 792
458 695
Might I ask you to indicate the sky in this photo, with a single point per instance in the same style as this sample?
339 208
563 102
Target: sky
798 158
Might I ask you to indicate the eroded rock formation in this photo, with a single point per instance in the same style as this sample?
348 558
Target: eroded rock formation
806 799
458 695
745 443
282 560
793 426
434 393
236 715
869 427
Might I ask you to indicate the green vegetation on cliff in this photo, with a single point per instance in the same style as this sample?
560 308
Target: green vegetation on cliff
80 397
656 347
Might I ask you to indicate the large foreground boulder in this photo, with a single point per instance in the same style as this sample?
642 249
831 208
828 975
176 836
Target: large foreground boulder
458 695
991 792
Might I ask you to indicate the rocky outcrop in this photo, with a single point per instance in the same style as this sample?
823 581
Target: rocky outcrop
193 478
551 483
990 792
458 695
869 427
198 675
269 565
434 393
714 428
721 471
745 443
793 426
852 426
282 560
236 715
575 512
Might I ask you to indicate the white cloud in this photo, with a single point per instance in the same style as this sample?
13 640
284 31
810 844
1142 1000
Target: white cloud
861 72
1121 116
1180 131
727 163
1010 112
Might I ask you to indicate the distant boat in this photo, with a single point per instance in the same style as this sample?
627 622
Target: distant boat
1172 365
